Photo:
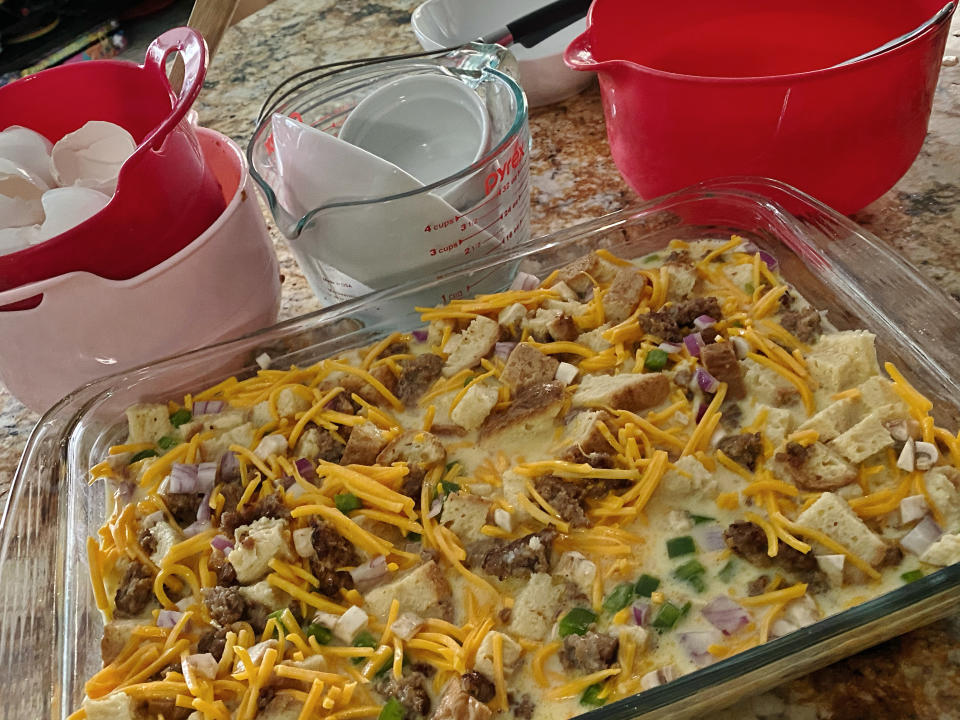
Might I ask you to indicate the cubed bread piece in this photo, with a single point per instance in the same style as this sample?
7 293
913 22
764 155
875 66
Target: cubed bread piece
364 444
623 295
531 412
767 387
148 423
831 515
165 537
681 280
423 591
415 447
513 486
527 366
457 704
814 467
511 318
583 435
835 419
945 551
867 437
471 345
260 415
281 707
465 514
318 443
289 403
546 325
594 339
578 569
223 421
843 360
214 447
577 275
687 478
721 361
535 608
943 487
475 405
877 392
263 593
116 634
257 544
629 391
778 425
115 706
511 652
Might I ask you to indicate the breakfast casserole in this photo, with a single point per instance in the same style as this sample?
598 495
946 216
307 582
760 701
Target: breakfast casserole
545 500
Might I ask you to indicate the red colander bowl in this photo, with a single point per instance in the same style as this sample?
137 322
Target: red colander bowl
166 194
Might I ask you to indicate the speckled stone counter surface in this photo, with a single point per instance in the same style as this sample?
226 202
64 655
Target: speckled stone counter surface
573 179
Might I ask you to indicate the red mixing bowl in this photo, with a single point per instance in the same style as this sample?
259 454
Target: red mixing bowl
166 194
713 88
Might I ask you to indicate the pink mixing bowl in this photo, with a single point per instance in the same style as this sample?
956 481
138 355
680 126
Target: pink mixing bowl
223 284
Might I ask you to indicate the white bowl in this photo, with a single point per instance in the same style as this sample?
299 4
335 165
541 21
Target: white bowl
445 23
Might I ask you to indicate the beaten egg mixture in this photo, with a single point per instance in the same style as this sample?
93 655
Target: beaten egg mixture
548 499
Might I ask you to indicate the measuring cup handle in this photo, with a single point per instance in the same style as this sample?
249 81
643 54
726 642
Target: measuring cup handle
193 50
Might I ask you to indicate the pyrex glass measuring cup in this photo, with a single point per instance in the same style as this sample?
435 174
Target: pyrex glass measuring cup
367 230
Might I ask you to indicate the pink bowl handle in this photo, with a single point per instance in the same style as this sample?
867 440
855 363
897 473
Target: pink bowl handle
193 49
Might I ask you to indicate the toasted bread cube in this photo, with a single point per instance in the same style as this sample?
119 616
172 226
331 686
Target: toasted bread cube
465 514
165 537
475 406
623 295
688 478
943 487
423 591
579 570
778 425
535 608
265 594
682 281
945 551
766 386
511 317
471 345
116 634
577 275
835 419
115 706
364 444
629 391
583 434
257 544
843 360
547 325
821 469
282 707
484 657
213 448
527 366
289 403
867 437
831 515
877 392
530 415
148 423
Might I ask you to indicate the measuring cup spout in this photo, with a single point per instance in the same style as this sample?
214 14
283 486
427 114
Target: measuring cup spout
579 54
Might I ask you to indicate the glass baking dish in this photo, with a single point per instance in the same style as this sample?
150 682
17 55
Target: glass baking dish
50 628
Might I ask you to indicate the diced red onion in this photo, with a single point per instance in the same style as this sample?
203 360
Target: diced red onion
435 507
204 664
502 350
228 469
208 407
307 469
670 348
696 644
694 344
741 346
420 335
641 613
168 618
912 508
203 511
701 411
524 281
707 382
207 476
196 528
370 574
725 615
924 534
709 537
221 543
748 247
703 322
769 260
183 479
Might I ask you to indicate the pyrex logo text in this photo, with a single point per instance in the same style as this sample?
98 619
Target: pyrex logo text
495 177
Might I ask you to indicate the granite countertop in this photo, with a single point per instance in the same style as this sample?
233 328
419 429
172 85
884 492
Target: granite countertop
573 179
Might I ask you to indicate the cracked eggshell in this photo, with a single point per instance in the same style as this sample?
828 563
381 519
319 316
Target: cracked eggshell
28 150
20 193
92 156
18 238
67 207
